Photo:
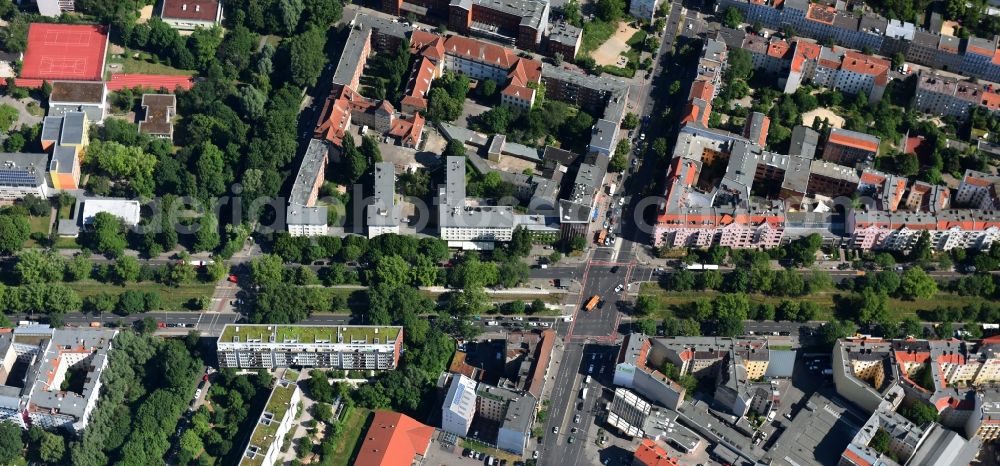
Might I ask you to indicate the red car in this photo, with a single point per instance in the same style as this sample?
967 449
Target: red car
232 278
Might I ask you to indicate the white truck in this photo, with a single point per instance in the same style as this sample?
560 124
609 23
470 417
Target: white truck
583 394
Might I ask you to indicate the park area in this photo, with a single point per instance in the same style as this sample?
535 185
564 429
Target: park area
613 50
668 301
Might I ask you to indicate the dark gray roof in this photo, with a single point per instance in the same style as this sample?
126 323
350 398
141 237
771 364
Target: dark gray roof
23 170
925 39
51 127
532 12
874 24
72 128
602 135
351 57
301 215
564 33
780 363
382 211
313 164
452 208
62 159
804 142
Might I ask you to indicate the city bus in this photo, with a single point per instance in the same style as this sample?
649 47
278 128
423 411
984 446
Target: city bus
592 302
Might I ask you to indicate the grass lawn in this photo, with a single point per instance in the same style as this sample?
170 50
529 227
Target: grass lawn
34 109
66 243
637 39
39 224
141 66
824 299
174 299
66 211
354 426
595 33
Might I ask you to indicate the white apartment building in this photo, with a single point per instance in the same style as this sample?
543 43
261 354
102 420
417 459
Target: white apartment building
467 225
643 9
383 213
978 190
278 418
349 347
459 406
23 174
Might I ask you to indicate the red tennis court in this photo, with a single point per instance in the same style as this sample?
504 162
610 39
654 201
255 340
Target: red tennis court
65 52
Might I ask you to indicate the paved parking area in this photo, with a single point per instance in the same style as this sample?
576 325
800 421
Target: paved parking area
447 455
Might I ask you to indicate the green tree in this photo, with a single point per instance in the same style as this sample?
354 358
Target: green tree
210 170
916 284
520 243
393 271
919 413
835 330
106 235
207 236
921 250
8 115
36 266
455 148
289 12
732 18
127 164
266 270
127 269
190 446
11 444
78 267
14 231
880 441
488 88
646 326
610 10
631 121
645 304
307 56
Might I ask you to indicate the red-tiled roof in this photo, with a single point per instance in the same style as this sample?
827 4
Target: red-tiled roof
542 362
778 49
201 10
702 90
844 140
408 129
149 81
804 51
648 453
394 439
333 120
872 178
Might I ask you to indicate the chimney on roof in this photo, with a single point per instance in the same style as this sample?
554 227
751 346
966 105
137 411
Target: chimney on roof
184 7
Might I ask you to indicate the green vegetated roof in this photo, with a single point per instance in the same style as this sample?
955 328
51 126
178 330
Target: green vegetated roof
308 333
263 436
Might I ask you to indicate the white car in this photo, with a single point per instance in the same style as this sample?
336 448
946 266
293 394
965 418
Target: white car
544 324
492 323
619 288
517 318
555 430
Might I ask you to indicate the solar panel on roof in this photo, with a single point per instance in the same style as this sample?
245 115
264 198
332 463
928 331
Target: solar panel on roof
17 178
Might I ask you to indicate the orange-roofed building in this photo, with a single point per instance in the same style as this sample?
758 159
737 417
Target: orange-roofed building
394 439
648 453
978 190
847 147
